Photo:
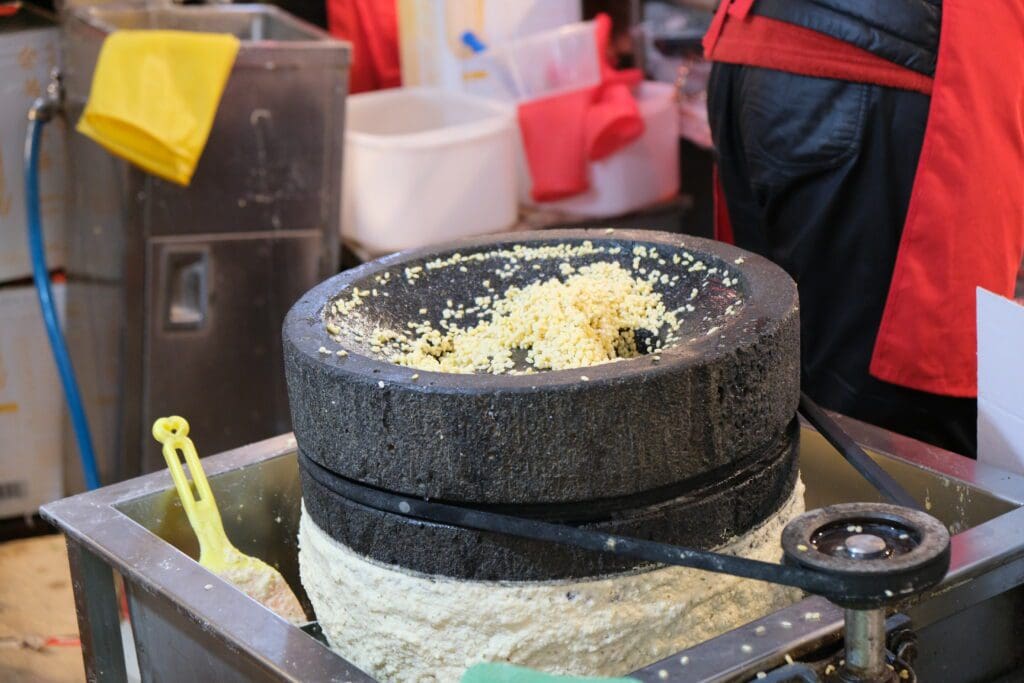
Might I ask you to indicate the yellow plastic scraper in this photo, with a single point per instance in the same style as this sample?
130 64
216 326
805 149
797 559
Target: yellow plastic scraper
256 578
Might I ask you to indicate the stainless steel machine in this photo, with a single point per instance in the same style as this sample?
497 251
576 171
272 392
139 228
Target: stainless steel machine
176 295
965 629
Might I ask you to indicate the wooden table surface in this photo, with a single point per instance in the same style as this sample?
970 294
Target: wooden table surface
38 629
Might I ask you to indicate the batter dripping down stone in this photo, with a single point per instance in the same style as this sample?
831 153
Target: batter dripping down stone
403 626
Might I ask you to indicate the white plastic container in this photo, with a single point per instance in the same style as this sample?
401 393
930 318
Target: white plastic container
423 166
643 173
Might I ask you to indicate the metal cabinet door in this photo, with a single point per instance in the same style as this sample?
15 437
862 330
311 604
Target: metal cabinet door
214 308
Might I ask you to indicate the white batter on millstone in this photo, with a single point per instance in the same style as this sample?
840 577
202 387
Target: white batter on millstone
398 625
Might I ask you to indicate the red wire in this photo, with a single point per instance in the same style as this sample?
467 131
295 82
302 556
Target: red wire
60 641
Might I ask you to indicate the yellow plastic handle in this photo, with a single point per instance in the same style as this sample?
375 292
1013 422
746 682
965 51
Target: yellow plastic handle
214 547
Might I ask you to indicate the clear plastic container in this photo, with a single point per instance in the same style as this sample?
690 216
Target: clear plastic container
537 66
429 32
424 165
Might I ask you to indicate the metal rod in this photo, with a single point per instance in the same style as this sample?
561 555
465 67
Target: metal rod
855 455
650 551
865 644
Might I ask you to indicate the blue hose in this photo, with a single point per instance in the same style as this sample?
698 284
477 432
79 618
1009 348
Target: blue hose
41 275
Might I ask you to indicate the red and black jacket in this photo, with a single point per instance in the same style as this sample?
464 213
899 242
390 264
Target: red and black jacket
965 224
904 32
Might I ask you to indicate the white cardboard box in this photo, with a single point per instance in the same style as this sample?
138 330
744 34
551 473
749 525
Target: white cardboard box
26 58
31 406
1000 382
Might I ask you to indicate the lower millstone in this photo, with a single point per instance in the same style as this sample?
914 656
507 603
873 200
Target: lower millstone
713 511
405 627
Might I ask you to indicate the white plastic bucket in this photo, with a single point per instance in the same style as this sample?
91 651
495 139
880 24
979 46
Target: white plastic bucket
424 165
641 174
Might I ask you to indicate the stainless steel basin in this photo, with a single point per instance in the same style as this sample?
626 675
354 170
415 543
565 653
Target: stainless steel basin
138 530
260 502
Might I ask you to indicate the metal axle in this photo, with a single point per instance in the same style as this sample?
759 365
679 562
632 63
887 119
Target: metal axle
865 645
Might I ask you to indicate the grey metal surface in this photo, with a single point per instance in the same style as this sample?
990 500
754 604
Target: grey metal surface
248 22
971 611
97 608
168 598
187 656
258 225
139 529
224 371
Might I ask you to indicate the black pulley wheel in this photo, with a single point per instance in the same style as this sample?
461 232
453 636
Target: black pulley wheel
878 553
720 395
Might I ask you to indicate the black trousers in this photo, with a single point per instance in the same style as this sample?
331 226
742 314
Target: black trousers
817 175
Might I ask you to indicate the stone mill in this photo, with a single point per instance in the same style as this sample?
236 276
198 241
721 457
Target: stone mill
688 436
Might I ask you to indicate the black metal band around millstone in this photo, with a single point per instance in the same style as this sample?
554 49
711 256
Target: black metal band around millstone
704 516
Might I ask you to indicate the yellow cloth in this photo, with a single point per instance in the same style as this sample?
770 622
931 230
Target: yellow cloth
154 95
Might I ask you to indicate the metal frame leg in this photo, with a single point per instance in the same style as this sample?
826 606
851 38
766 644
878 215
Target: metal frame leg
99 624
